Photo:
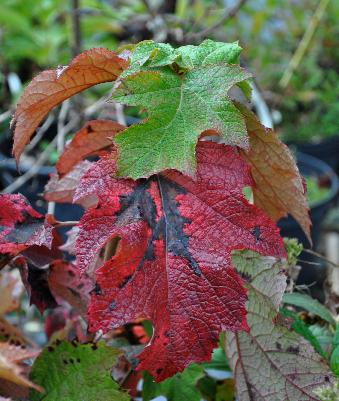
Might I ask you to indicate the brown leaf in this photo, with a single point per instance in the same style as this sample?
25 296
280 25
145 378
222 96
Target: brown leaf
10 292
61 190
279 189
65 282
10 369
12 335
52 87
93 137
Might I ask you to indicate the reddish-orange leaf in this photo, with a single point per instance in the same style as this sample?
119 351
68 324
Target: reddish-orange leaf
93 137
52 87
279 187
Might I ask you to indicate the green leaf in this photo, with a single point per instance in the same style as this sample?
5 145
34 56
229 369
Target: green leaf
181 386
180 107
311 305
225 391
300 327
270 362
76 372
334 363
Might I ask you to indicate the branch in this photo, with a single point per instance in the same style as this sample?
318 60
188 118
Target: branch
304 44
229 14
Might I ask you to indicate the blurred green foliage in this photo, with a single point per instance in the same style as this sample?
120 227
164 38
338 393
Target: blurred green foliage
35 35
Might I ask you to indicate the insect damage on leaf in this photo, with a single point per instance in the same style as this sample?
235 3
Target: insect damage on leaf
70 371
21 227
180 105
172 264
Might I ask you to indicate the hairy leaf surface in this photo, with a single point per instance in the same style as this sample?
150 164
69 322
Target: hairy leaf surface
271 362
180 108
93 137
74 371
279 188
21 227
172 264
50 88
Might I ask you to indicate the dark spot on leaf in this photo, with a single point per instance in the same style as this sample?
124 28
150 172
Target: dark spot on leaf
89 129
57 342
78 360
94 347
96 289
112 305
256 232
71 360
327 379
159 370
278 345
50 349
293 350
65 362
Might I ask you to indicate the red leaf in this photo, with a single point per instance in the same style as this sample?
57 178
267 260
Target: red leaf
52 87
21 226
173 262
94 136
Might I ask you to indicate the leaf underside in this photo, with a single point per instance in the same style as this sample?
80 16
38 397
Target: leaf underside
271 362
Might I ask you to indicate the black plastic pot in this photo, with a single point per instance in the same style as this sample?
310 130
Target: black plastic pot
311 166
327 150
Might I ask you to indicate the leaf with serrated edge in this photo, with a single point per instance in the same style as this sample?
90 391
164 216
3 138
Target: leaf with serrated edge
73 371
180 108
50 88
172 264
271 363
279 187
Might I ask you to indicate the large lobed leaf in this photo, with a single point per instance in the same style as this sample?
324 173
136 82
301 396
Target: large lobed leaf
50 88
173 263
21 227
271 362
74 371
279 188
180 105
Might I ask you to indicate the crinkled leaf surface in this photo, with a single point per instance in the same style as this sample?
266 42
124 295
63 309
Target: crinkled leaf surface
181 386
279 188
180 107
73 371
21 226
172 264
271 362
93 137
149 54
52 87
